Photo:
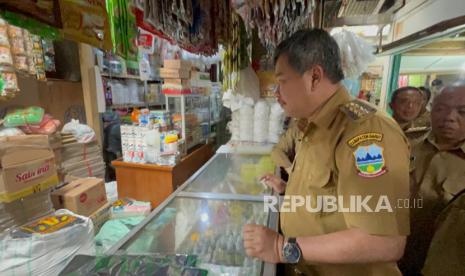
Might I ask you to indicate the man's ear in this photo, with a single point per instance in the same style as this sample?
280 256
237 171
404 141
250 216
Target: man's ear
313 77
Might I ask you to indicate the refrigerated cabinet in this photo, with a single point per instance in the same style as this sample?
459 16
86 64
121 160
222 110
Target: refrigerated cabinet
205 216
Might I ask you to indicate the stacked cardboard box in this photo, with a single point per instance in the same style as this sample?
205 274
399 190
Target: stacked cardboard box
176 75
81 160
27 172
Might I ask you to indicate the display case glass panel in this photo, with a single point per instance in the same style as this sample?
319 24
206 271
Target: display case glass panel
234 174
210 229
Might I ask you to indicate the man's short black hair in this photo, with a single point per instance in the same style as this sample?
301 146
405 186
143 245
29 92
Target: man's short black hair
402 90
309 47
426 91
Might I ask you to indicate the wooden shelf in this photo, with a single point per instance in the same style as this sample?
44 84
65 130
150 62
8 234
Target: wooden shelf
131 77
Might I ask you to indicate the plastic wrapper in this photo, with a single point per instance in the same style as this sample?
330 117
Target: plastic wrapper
21 63
276 123
17 46
123 208
83 133
4 41
47 126
170 265
8 82
47 245
15 32
86 21
23 210
5 56
21 117
10 131
355 52
261 119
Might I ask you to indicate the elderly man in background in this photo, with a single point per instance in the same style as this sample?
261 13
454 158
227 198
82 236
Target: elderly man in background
438 164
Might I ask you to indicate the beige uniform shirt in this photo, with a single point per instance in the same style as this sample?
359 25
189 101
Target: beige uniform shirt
350 149
437 177
284 151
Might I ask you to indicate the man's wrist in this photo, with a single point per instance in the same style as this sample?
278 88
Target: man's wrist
281 247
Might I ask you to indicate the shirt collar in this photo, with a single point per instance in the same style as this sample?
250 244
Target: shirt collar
432 140
327 113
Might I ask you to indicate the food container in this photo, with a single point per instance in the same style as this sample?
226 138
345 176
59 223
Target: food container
4 41
10 80
15 32
17 46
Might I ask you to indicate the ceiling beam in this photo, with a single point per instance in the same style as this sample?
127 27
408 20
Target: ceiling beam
435 52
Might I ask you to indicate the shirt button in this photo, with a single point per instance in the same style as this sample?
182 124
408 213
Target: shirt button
306 139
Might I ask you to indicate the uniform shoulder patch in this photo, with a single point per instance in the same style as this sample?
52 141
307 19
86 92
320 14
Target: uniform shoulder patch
369 161
357 109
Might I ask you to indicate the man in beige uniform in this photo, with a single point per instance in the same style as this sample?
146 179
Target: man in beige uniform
406 104
439 171
347 149
284 151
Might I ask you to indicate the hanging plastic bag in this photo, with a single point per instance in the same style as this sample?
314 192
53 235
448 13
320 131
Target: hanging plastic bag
355 52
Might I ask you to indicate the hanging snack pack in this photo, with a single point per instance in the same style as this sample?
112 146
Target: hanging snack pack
38 57
86 21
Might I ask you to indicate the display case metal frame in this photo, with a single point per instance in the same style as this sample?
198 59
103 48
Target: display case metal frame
267 268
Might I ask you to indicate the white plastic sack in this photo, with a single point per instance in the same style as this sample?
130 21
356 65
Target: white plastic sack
46 254
83 133
261 119
10 131
276 123
356 53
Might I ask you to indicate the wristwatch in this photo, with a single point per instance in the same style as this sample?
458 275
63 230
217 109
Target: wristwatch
291 251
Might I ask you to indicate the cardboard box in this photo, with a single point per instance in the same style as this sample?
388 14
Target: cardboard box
27 166
182 82
177 64
167 73
83 196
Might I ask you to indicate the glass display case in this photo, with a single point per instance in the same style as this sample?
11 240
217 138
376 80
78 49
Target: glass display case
234 174
191 117
205 217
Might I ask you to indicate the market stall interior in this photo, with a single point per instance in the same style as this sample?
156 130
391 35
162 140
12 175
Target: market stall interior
134 134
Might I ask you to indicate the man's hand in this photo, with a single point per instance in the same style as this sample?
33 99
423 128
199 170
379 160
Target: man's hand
276 183
263 243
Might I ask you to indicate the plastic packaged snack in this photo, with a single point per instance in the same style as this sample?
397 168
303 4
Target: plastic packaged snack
4 37
14 32
10 82
5 56
17 46
32 115
21 63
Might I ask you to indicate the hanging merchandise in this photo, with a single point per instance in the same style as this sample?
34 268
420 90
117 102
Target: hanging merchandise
86 21
355 52
46 11
38 57
275 20
236 56
192 24
32 25
123 28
